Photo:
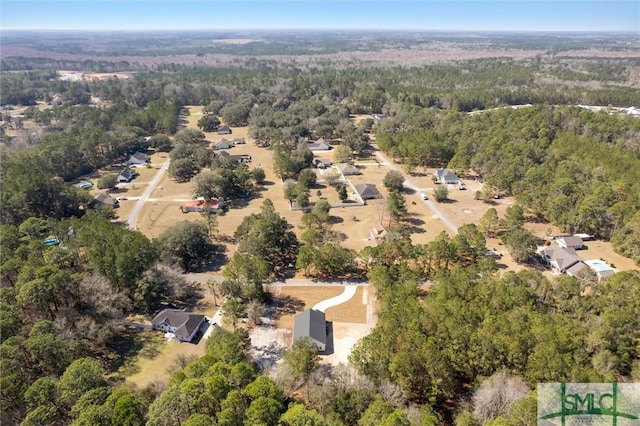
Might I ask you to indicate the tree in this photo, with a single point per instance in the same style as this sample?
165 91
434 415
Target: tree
108 181
183 169
441 193
81 376
188 244
255 309
342 154
263 411
306 179
342 193
513 218
394 181
299 415
520 243
489 223
496 395
258 175
161 143
397 206
233 310
302 359
208 123
189 137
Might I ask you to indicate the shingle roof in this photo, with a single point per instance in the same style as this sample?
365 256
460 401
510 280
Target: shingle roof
184 322
348 169
368 190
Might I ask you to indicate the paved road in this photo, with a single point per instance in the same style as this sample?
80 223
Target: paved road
413 186
348 293
290 282
133 216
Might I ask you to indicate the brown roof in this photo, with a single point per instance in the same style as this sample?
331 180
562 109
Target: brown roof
368 190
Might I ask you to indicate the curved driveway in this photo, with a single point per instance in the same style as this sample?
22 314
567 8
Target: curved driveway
413 186
133 216
348 293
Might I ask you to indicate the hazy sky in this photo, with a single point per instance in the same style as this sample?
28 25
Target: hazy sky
542 15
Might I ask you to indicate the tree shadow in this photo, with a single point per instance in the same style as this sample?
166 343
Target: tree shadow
415 225
131 343
333 220
286 305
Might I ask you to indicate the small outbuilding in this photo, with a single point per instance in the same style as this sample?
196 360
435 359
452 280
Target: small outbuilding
223 144
312 324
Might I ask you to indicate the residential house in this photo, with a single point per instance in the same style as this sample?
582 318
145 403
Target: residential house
367 191
573 242
224 130
223 144
137 159
446 176
322 163
559 258
184 325
319 145
601 268
105 199
200 204
379 117
126 175
312 324
243 158
348 169
222 154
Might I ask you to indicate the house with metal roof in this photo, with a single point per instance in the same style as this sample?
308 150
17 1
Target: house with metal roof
312 324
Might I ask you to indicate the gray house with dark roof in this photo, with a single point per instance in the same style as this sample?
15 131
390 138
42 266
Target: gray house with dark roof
367 191
312 324
126 175
183 324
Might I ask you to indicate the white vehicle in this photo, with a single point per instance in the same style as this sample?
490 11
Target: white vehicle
424 196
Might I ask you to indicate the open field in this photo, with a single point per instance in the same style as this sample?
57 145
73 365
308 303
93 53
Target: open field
298 298
353 311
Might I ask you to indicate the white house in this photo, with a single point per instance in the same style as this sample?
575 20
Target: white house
446 176
223 144
126 175
573 242
559 258
137 159
183 324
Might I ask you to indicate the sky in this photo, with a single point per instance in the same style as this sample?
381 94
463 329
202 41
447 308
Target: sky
465 15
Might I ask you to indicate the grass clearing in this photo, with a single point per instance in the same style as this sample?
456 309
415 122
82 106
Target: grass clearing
295 299
353 310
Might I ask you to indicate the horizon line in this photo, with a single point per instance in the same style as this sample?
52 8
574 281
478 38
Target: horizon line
322 29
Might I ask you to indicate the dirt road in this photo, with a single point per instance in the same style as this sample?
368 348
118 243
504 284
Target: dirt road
414 187
133 215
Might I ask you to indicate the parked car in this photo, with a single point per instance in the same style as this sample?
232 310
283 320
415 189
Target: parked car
424 196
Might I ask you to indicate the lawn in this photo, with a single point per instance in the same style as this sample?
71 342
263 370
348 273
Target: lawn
295 299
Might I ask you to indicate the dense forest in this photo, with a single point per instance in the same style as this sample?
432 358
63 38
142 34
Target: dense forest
468 348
